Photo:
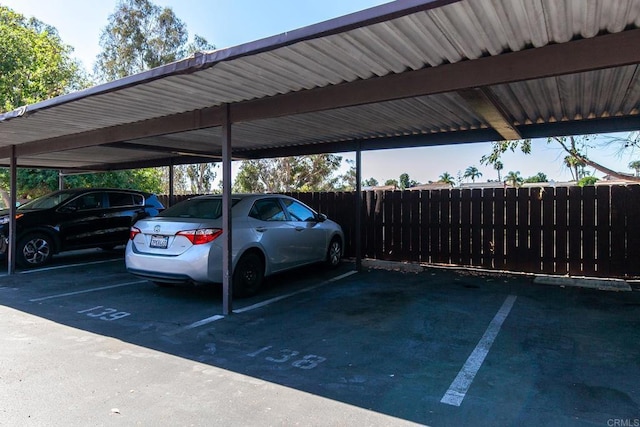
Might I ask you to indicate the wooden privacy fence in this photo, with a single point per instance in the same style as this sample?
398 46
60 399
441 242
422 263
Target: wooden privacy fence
591 231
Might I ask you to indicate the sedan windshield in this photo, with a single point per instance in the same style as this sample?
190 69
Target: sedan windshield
48 201
196 208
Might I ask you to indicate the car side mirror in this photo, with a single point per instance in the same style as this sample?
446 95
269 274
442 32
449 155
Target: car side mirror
321 217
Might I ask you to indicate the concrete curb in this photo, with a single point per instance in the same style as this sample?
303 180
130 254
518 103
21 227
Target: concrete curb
585 282
602 284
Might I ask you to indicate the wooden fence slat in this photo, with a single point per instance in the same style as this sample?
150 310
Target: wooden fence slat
589 230
415 226
445 226
465 227
575 230
476 227
618 228
534 254
633 230
548 231
488 198
499 231
522 240
455 256
511 234
562 252
434 227
603 230
425 229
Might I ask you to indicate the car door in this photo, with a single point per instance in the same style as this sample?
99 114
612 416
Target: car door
82 221
310 238
275 233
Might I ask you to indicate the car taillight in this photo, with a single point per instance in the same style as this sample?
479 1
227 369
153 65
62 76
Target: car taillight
201 235
133 232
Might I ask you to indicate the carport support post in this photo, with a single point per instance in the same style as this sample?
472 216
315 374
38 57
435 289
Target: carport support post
358 235
227 266
171 182
13 197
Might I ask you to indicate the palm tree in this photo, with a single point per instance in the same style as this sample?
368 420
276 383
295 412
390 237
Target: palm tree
635 165
446 178
576 166
498 165
473 173
513 179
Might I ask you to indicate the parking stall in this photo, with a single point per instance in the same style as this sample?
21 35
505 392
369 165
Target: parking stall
438 346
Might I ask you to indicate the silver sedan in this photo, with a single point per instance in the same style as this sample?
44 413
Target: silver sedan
271 233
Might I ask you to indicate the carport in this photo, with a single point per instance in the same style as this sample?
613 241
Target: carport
404 74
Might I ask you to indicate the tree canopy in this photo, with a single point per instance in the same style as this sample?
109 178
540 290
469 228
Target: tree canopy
34 62
301 173
141 35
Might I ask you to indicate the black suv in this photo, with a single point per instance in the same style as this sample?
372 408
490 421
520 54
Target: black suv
75 219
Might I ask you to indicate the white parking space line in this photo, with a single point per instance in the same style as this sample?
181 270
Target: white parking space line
195 324
87 290
460 385
281 297
57 267
258 305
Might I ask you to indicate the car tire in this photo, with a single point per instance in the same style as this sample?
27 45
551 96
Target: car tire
334 253
248 275
34 250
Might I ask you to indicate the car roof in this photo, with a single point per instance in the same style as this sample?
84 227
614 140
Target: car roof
85 190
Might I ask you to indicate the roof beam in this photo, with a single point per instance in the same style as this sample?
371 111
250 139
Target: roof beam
600 52
483 102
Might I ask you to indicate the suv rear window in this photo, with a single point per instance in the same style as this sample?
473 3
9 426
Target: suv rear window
125 199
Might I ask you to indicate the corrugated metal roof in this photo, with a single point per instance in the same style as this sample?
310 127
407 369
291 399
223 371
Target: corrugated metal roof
373 46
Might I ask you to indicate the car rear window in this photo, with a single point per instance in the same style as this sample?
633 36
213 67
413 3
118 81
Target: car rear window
196 208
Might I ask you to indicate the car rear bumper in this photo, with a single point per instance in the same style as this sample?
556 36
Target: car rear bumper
197 265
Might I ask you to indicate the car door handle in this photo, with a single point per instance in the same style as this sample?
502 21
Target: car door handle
261 229
299 228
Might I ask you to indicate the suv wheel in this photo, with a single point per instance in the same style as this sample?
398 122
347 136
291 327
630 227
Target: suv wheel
34 250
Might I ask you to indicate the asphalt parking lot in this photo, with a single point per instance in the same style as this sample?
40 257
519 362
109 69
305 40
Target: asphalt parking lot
85 343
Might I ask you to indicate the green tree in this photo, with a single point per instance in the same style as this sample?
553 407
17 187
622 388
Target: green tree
498 166
141 35
576 147
37 182
446 178
635 165
539 177
371 182
406 182
34 62
513 179
587 180
393 182
472 172
300 173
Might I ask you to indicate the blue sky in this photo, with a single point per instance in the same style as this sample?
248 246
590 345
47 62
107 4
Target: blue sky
232 22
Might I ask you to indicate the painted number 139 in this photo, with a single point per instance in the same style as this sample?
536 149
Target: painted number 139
104 313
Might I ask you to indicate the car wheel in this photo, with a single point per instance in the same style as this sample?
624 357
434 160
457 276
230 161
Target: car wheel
34 250
334 253
248 275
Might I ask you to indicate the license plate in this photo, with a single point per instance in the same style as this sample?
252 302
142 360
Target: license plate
160 242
